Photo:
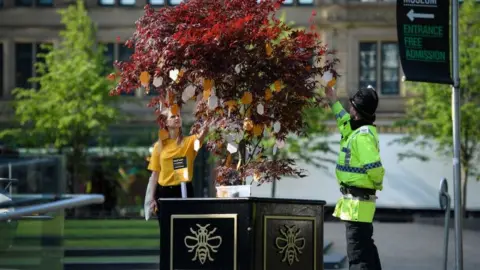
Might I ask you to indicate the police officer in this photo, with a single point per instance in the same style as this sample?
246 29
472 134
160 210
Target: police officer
360 174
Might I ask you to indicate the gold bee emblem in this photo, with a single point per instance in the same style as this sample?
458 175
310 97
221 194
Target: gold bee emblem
203 244
290 244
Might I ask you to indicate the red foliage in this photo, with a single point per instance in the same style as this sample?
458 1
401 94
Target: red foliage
225 48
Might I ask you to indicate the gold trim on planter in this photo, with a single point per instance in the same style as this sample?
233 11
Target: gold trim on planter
298 218
203 255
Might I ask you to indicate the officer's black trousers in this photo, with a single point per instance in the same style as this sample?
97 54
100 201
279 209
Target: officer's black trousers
361 250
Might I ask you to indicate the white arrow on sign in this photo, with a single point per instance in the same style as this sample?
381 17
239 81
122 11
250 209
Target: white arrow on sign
412 15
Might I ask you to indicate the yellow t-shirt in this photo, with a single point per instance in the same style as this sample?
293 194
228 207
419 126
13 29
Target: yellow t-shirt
175 163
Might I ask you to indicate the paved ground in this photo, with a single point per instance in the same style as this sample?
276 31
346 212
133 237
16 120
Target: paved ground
412 246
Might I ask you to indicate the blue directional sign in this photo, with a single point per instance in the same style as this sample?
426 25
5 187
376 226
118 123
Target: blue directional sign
424 40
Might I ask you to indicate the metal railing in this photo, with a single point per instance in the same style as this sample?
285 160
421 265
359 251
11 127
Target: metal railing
9 181
67 201
445 204
34 175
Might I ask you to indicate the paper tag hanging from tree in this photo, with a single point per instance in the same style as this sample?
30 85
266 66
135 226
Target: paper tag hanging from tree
174 109
207 88
260 109
196 145
188 93
157 81
276 126
268 49
232 147
173 74
145 79
247 98
212 102
268 94
277 85
231 104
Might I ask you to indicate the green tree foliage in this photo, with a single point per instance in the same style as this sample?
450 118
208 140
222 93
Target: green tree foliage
429 111
72 105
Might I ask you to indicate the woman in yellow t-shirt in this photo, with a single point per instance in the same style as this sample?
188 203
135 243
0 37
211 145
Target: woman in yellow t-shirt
172 161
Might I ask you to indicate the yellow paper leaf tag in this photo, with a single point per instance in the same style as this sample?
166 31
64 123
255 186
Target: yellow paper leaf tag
332 82
170 98
144 78
268 94
206 94
207 85
268 49
228 160
247 98
277 85
174 109
257 130
230 103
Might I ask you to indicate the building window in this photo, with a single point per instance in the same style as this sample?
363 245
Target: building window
380 67
1 3
174 2
156 2
109 55
124 52
368 64
37 3
390 69
126 2
44 3
39 49
116 51
295 2
23 3
24 56
305 2
106 2
116 2
1 69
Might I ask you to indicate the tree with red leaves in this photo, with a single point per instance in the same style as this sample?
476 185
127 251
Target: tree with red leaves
249 80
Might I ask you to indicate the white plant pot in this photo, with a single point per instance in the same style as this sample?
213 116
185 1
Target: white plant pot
234 191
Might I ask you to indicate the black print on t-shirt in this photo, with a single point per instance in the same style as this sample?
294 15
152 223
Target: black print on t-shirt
179 163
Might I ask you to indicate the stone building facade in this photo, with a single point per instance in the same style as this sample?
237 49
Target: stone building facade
363 32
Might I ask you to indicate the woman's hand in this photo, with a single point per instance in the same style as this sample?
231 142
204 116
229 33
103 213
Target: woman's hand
204 131
151 190
153 205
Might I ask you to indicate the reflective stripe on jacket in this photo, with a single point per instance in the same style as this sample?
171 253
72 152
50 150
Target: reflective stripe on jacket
358 165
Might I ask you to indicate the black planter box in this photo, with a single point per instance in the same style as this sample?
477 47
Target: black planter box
241 234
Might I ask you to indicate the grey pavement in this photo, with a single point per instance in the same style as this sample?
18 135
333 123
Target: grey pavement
411 246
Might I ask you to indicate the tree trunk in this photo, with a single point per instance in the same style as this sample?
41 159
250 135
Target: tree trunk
464 190
242 150
77 163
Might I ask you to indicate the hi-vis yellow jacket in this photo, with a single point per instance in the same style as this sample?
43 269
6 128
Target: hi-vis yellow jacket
359 166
